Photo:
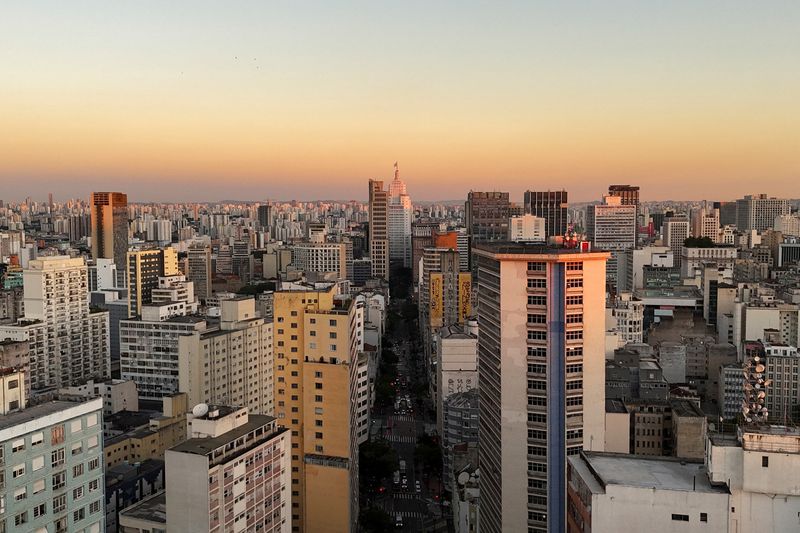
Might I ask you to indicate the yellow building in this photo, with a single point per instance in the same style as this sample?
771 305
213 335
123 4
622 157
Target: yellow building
315 386
152 440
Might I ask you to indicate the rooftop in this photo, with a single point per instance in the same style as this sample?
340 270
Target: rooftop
615 406
152 509
37 411
208 445
514 248
662 473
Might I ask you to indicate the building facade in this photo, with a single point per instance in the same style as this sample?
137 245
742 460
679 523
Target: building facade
379 229
109 214
551 206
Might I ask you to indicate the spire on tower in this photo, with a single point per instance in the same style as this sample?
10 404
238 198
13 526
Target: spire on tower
396 171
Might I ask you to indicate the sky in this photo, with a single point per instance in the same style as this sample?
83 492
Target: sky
199 101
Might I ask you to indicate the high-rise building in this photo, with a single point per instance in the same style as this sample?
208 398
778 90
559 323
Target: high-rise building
541 392
527 228
109 212
379 229
675 231
401 215
143 270
319 257
53 452
232 363
758 212
629 195
705 223
198 270
265 216
552 207
421 238
68 342
611 226
316 349
231 475
487 215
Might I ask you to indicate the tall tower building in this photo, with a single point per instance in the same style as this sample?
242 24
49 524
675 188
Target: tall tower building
143 270
109 211
198 270
705 223
552 207
675 230
612 226
379 229
401 214
265 214
316 349
487 215
629 195
759 212
68 342
542 392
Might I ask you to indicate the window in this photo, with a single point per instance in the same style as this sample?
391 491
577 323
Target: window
574 335
332 322
38 486
77 448
91 442
537 319
39 510
537 352
536 266
20 494
18 445
764 461
575 319
317 374
21 518
704 517
537 300
59 503
37 463
94 507
317 435
574 283
79 515
59 480
36 439
318 398
680 517
537 283
537 384
573 369
318 386
575 400
537 417
537 369
575 266
18 471
94 485
574 300
75 426
94 463
575 385
57 457
332 334
13 384
77 493
537 335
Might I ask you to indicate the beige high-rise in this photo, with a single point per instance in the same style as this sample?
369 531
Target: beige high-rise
379 229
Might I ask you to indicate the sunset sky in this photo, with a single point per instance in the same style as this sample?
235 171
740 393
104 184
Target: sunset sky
203 101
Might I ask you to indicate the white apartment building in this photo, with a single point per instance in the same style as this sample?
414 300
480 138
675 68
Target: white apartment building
541 388
631 265
527 228
175 289
231 364
612 226
788 225
757 213
705 223
675 230
783 370
627 318
68 342
692 259
117 394
321 257
456 364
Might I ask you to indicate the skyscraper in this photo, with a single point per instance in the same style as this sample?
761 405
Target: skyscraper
675 230
541 393
109 212
630 196
612 226
379 229
759 212
552 207
198 270
487 215
316 349
143 270
401 214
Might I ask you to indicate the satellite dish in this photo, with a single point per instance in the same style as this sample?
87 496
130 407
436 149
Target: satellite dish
463 477
200 410
756 359
760 368
760 394
768 383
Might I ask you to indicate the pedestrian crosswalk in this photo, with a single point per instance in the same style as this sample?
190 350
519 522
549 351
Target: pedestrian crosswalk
401 438
404 496
402 418
410 514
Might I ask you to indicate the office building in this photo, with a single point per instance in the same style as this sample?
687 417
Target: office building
109 212
198 270
379 229
231 363
68 342
675 231
539 408
144 269
265 216
693 259
316 398
527 228
705 223
487 215
53 473
783 373
456 364
552 207
400 216
629 195
319 258
421 238
757 213
611 226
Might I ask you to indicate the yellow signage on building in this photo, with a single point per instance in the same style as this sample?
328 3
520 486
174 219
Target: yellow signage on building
437 299
464 296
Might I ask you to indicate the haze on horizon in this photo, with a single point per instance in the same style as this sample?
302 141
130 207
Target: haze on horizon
199 101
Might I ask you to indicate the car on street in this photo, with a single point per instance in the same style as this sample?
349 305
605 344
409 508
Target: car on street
417 487
398 521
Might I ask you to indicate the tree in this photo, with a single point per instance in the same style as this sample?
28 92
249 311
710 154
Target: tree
258 288
429 454
374 520
377 461
698 242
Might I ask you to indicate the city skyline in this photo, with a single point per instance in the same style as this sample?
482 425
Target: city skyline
193 104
